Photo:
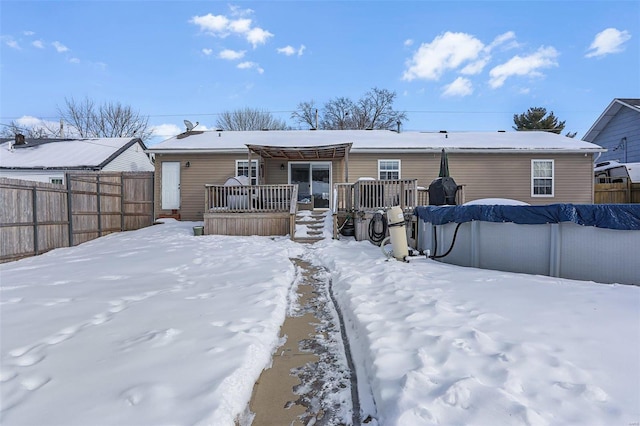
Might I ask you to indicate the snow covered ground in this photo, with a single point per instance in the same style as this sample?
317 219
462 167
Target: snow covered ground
157 326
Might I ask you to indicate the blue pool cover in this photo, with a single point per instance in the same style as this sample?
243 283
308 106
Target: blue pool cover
611 216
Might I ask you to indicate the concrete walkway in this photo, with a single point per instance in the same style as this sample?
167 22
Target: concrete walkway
309 382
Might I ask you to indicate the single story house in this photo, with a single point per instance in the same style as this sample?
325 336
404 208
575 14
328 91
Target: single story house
47 160
533 167
618 130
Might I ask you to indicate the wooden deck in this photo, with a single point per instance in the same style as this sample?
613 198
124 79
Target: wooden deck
269 210
265 210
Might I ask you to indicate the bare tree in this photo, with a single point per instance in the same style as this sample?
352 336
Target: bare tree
41 130
376 110
372 111
249 119
307 113
109 120
338 114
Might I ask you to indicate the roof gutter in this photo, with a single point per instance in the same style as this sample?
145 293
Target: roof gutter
396 150
479 150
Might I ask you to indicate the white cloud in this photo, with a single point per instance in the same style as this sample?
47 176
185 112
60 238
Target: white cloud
475 67
216 25
38 43
257 36
60 47
28 33
207 51
408 42
287 50
290 50
29 122
237 11
459 87
166 130
608 41
544 57
447 51
231 55
9 41
507 40
240 26
249 65
74 60
222 26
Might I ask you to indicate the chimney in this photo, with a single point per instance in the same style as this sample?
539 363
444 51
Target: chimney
19 139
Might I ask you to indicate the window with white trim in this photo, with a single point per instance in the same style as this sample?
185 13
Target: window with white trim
242 169
542 177
57 181
388 169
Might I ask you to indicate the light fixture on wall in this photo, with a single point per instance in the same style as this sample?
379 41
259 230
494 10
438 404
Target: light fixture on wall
187 164
282 166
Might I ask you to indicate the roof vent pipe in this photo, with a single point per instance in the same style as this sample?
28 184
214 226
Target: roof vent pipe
398 124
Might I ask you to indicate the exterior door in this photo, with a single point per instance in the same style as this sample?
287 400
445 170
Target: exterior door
321 185
314 183
170 185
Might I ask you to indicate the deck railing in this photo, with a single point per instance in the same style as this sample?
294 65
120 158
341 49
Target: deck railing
251 198
369 195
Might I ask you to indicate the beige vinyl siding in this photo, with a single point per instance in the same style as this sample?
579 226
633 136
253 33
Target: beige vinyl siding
203 169
491 175
484 175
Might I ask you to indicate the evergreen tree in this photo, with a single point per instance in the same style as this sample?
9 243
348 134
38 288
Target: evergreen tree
536 118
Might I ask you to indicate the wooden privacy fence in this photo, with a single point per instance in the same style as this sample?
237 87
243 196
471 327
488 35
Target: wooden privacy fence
36 217
616 193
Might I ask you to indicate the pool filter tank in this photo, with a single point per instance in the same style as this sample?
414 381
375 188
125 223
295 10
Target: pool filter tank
397 233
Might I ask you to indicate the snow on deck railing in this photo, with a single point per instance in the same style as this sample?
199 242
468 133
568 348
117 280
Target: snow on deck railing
250 198
366 195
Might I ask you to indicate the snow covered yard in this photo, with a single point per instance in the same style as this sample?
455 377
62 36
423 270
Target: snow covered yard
149 327
157 326
441 344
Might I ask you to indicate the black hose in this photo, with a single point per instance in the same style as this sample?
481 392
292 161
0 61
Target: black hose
435 245
374 236
344 223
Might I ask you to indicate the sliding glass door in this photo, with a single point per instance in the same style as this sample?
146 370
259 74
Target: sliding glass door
314 183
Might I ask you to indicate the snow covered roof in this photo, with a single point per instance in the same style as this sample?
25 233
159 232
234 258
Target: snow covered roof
611 111
374 141
62 153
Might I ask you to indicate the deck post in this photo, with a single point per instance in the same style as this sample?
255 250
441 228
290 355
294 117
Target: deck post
346 166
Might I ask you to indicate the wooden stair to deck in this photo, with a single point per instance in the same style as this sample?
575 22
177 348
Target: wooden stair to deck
314 224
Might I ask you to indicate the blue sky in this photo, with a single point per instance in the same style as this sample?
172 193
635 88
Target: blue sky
457 66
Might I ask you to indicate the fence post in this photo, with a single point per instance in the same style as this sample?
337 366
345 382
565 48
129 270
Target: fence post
121 201
67 178
34 215
98 206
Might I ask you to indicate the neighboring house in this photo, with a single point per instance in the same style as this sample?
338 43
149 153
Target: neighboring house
618 130
533 167
47 160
